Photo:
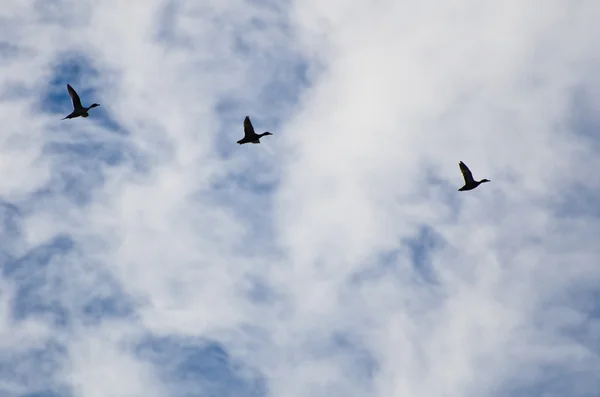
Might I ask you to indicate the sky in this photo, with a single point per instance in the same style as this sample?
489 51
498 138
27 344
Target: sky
144 253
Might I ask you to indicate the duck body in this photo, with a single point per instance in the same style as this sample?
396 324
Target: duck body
78 109
470 183
83 112
249 135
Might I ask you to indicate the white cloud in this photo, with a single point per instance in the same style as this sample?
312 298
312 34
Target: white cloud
292 253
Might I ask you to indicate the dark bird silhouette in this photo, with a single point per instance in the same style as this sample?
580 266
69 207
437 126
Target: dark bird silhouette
470 183
249 135
78 109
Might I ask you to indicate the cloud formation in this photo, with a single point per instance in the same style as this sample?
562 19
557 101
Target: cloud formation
145 253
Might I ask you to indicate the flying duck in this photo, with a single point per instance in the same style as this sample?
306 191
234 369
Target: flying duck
470 183
78 109
249 135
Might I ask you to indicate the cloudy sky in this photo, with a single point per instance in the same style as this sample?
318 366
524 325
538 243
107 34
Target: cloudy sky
144 253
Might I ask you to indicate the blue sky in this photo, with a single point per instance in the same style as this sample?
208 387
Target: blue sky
144 253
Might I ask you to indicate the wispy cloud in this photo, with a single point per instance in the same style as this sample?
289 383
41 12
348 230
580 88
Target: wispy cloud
145 253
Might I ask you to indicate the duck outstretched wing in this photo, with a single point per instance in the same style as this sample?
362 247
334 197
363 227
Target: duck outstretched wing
248 128
74 97
466 173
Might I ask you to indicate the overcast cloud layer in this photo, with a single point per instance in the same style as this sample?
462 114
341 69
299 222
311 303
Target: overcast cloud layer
145 253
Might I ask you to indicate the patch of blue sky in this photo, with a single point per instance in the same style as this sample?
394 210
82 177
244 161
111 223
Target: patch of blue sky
109 303
361 364
165 31
38 258
578 311
78 166
42 275
260 292
584 119
551 381
259 188
446 191
281 6
416 250
34 282
32 300
7 51
199 368
35 370
258 185
78 169
290 79
231 113
250 198
580 199
279 73
272 104
10 224
59 392
422 247
77 70
71 179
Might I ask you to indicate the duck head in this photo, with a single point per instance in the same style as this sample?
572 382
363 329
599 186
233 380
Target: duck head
484 180
93 105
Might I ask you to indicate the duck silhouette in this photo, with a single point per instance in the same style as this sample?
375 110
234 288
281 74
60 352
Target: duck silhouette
249 135
470 183
78 109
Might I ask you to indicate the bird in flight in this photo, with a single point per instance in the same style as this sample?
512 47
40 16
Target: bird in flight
249 135
470 183
78 109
